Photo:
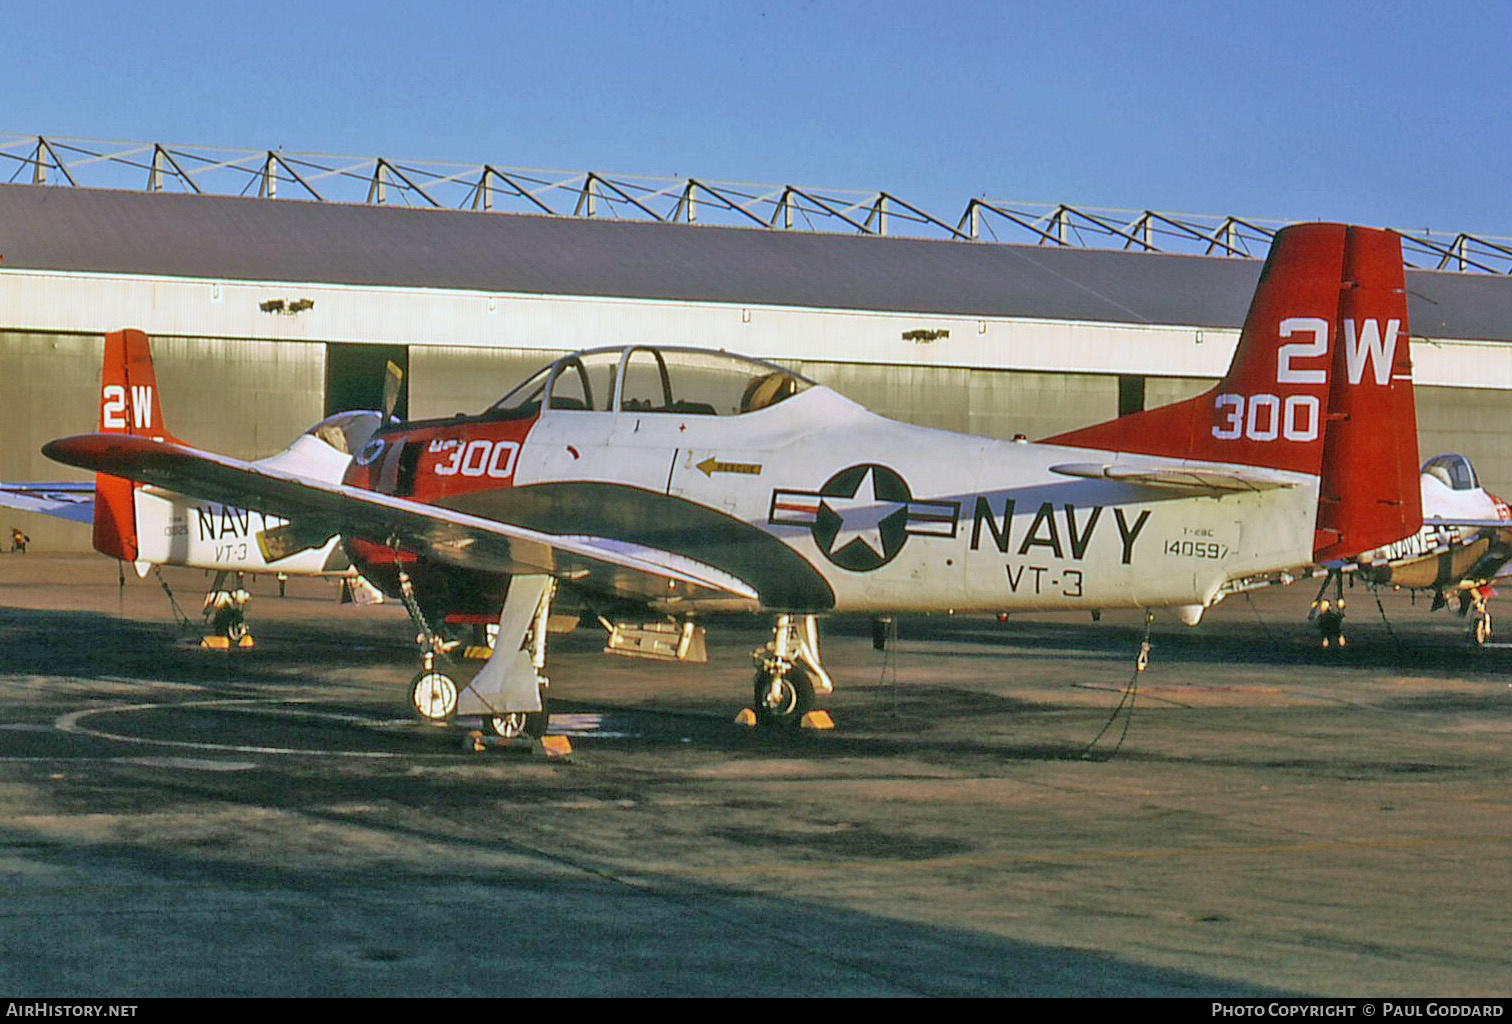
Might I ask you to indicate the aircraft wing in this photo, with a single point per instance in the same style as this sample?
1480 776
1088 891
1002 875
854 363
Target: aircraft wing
1189 480
64 499
1494 563
474 542
1478 524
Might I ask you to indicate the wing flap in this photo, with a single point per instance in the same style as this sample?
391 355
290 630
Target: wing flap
457 538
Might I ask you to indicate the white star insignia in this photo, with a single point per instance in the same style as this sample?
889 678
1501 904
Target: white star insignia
862 514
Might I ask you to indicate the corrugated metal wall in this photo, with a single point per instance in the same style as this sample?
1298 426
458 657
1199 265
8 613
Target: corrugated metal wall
49 387
445 380
993 403
243 398
1471 421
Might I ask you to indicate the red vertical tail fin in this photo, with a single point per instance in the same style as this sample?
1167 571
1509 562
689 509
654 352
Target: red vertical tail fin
1320 383
128 405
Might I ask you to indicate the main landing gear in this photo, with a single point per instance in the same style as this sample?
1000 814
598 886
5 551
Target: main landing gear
1330 617
789 678
507 695
225 613
1476 599
1480 624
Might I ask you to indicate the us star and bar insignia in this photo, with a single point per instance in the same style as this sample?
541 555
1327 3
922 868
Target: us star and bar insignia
863 515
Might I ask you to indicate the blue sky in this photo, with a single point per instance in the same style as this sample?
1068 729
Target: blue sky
1384 113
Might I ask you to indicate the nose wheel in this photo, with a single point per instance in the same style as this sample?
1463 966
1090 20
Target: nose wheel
782 700
788 676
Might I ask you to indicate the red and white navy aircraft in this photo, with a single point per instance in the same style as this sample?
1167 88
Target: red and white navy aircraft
688 482
150 526
1464 545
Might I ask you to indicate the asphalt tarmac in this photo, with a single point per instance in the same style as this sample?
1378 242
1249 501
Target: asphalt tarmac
1268 818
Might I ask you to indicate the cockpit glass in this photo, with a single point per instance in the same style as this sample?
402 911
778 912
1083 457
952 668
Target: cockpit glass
691 381
524 397
584 380
667 380
1454 471
347 432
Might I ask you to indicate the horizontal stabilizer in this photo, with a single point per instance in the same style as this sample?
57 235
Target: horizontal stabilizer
65 500
1477 524
1189 480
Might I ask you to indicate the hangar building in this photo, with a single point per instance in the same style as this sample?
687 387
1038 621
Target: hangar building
268 313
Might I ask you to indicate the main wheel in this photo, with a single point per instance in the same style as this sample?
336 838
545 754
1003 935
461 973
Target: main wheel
519 723
229 621
433 696
786 705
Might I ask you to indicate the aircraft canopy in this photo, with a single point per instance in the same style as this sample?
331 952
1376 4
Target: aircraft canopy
1453 470
644 378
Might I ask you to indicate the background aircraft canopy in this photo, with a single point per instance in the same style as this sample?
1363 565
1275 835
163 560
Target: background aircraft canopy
347 432
1454 471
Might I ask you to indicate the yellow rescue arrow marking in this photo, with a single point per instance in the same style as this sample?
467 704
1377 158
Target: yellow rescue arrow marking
711 465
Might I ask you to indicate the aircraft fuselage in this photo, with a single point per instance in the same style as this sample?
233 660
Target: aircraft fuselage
821 505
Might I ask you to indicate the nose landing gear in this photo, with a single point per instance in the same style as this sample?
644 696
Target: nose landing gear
789 677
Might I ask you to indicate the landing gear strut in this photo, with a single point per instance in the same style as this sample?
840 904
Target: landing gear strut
1480 624
788 673
225 612
1330 618
507 692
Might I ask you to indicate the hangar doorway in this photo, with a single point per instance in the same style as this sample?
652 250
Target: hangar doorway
355 374
1131 394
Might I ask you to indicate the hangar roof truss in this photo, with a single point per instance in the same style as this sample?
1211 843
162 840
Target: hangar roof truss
272 174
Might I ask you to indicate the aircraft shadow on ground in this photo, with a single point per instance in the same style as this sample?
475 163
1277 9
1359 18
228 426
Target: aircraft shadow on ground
880 721
90 644
1403 648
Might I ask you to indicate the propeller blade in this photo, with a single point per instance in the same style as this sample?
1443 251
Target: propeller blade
393 381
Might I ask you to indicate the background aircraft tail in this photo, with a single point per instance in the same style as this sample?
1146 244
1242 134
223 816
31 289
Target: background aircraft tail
1320 383
128 405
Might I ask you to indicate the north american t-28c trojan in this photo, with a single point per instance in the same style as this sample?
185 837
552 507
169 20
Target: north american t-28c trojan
686 482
